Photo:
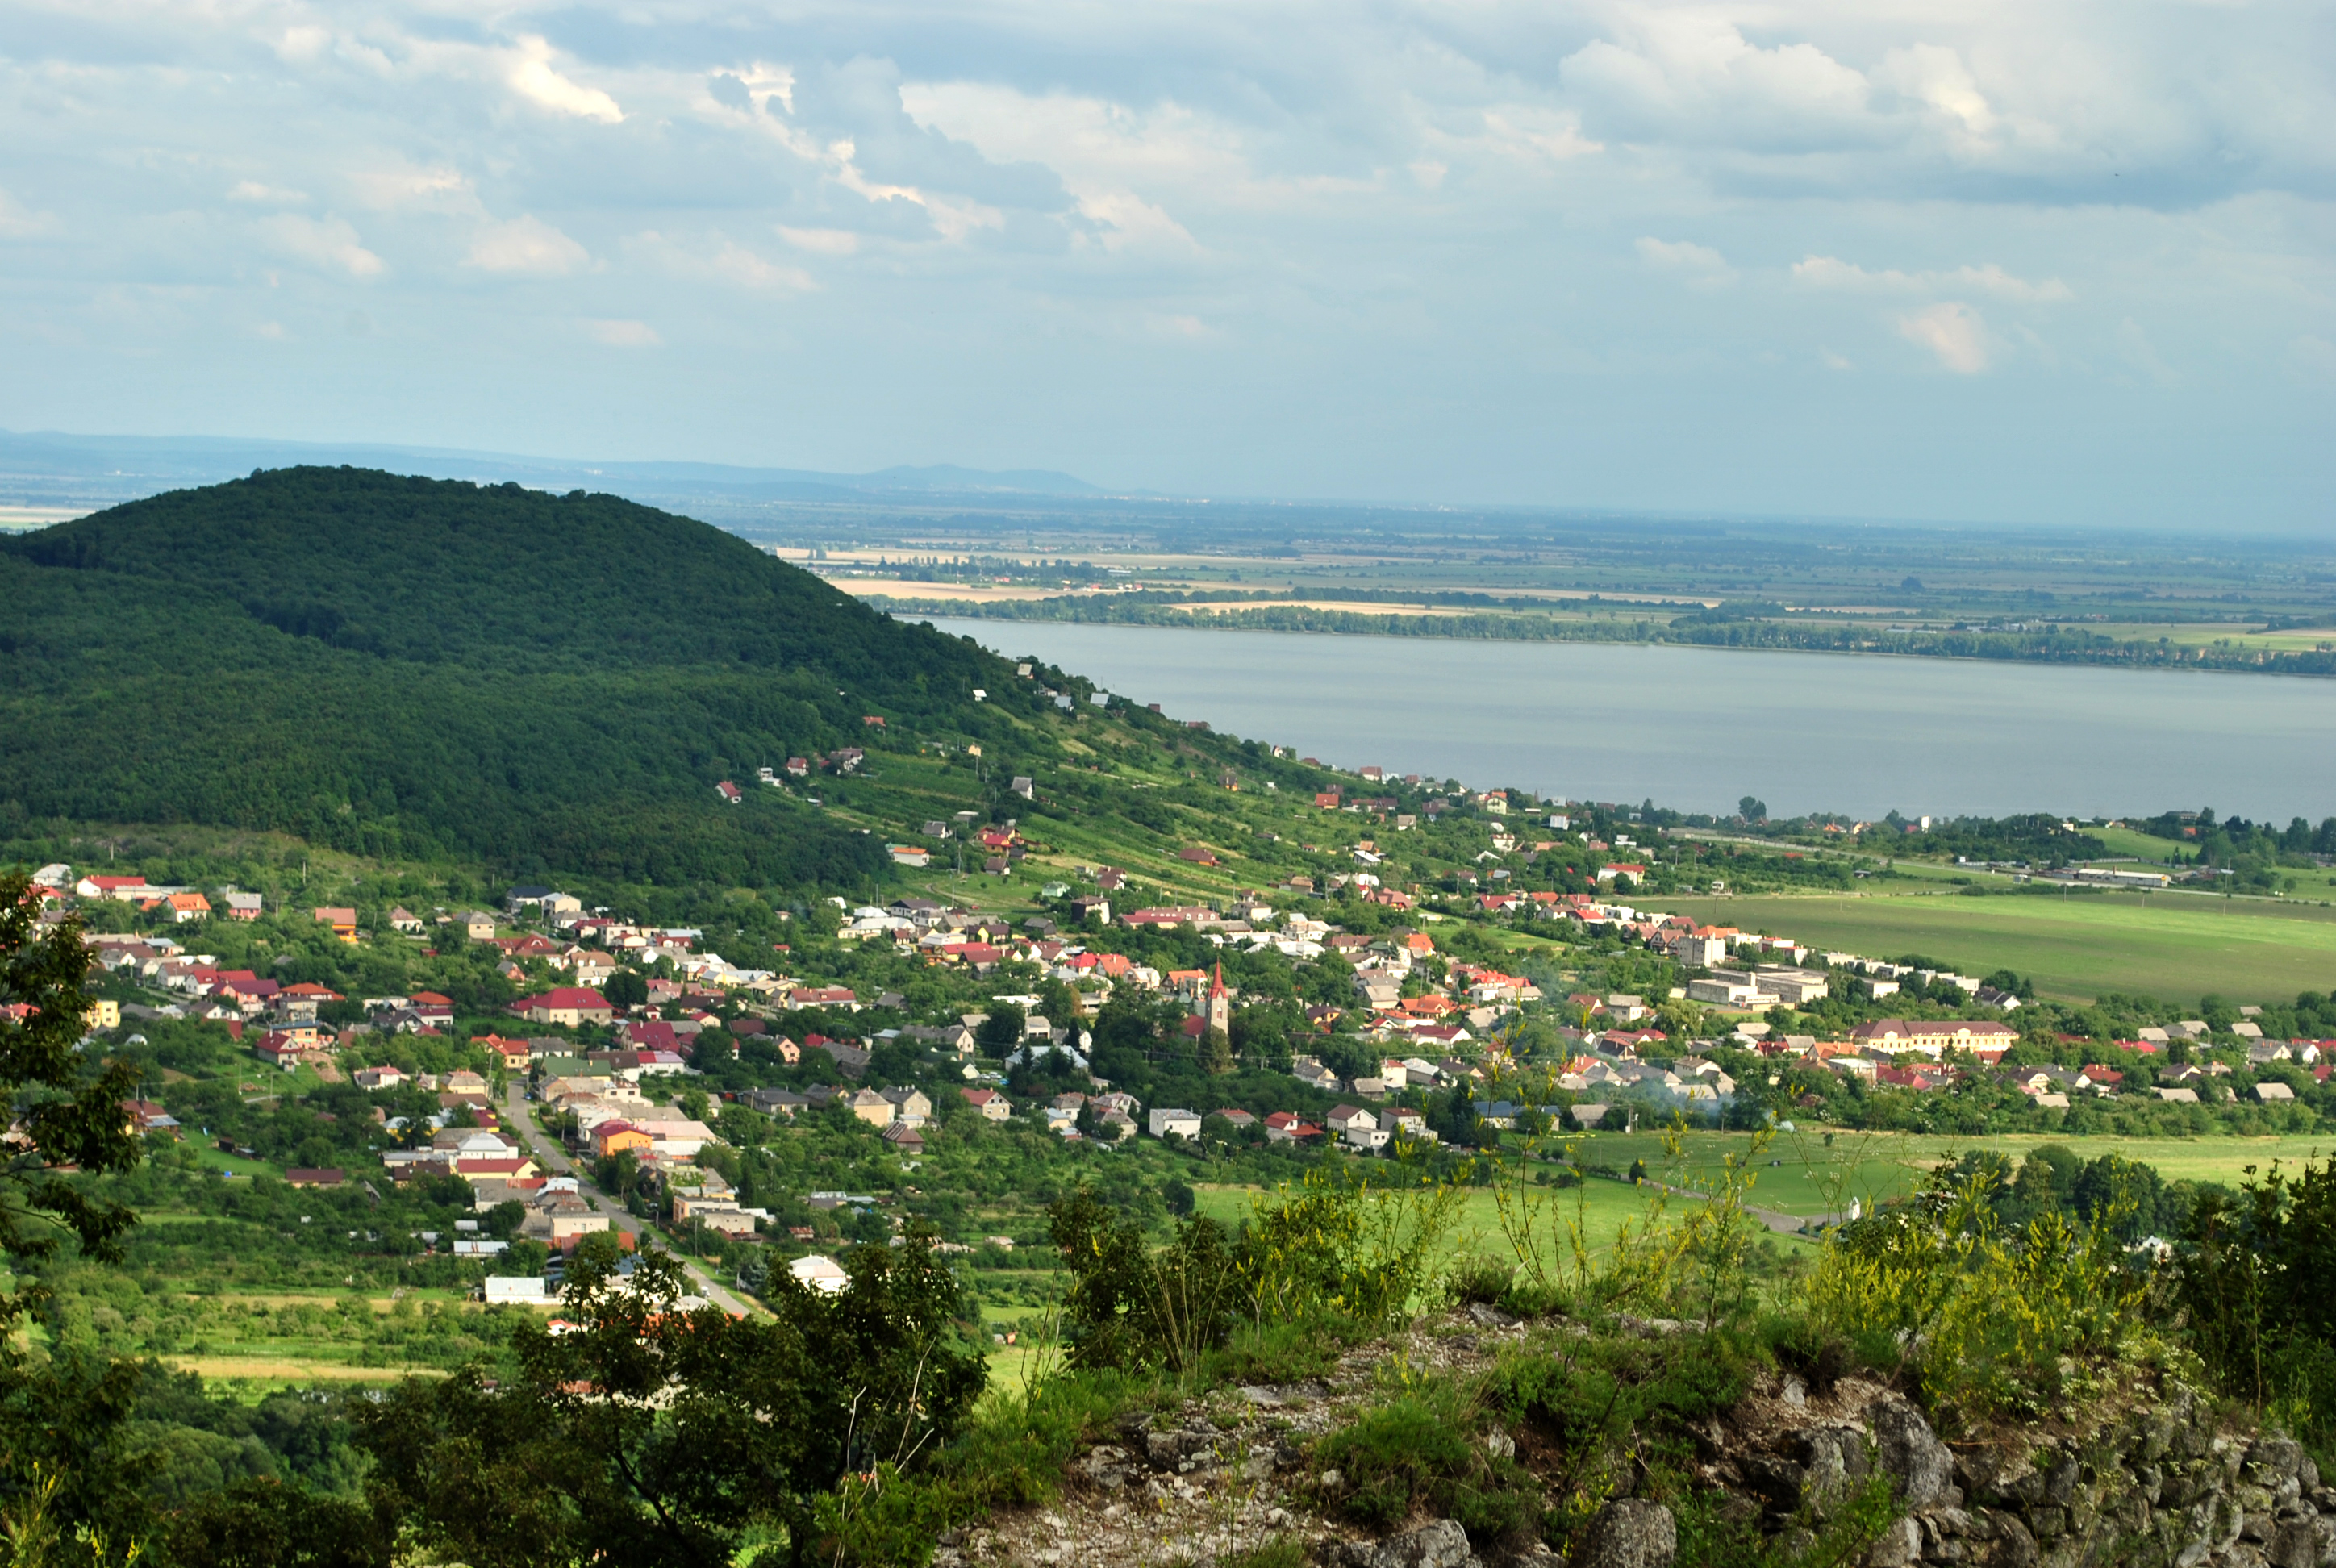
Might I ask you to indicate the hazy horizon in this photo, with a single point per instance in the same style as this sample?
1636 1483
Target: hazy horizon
2053 265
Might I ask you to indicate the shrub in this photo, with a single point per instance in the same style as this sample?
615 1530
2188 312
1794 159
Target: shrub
1421 1449
2256 1279
1130 1306
1985 1314
1348 1244
1476 1278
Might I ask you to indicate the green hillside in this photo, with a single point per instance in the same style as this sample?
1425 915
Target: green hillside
404 667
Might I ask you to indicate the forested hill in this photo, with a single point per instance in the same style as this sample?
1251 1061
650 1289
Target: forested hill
415 666
439 569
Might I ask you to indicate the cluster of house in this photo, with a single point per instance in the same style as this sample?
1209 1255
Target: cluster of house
613 1116
1933 1053
1000 849
901 1115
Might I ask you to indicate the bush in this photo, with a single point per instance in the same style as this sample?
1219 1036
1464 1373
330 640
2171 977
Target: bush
1986 1316
1423 1449
1129 1307
2256 1278
1476 1278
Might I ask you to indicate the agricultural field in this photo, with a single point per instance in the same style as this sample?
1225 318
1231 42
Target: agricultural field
2177 947
1811 1171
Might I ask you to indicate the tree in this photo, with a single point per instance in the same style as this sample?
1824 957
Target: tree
660 1437
625 989
1000 1034
1752 809
1216 1054
59 1422
72 1108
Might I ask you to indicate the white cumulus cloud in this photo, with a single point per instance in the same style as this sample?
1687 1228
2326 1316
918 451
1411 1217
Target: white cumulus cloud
533 77
330 243
623 333
526 245
1684 257
1832 272
1953 331
19 222
260 194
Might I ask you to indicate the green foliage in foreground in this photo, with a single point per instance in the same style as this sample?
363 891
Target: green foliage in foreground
2259 1282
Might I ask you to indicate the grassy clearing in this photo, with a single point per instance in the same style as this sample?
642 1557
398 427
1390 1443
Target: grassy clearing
278 1372
1601 1208
2140 846
1803 1175
2172 945
214 1159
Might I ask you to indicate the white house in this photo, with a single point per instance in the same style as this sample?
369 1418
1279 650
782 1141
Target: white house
1175 1124
823 1274
526 1290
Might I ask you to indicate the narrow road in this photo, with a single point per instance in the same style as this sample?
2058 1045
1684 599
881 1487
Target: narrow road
521 1117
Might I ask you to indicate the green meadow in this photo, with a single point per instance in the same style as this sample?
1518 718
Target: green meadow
2177 947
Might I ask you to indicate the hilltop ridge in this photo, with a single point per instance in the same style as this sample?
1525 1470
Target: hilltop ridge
421 666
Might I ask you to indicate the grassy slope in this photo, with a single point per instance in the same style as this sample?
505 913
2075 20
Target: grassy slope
2175 947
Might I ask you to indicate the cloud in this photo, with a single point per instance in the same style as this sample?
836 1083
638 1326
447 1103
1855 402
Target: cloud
821 241
2133 346
715 257
1699 264
1951 330
533 77
1692 76
19 222
1831 272
623 333
402 187
1531 128
1937 78
526 245
740 264
252 190
329 243
998 228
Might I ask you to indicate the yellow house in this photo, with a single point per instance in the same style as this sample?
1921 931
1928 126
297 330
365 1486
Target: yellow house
872 1108
615 1138
104 1014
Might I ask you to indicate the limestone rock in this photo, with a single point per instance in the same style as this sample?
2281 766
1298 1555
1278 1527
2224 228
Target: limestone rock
1442 1545
2294 1545
1629 1533
1910 1453
1898 1546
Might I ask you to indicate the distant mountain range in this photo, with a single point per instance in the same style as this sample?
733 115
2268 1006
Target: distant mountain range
52 470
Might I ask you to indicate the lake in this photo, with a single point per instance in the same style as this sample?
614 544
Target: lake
1696 728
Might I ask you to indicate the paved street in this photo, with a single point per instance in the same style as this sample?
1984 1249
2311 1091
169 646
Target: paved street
521 1118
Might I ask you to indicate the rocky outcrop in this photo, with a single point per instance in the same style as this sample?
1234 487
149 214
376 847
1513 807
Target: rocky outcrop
1628 1533
2158 1487
1442 1545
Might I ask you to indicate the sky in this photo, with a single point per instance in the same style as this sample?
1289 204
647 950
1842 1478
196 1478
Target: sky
2050 261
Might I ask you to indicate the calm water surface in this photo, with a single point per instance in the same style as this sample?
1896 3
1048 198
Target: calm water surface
1696 728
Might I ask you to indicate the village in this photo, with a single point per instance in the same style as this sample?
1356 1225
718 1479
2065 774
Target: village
597 1102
